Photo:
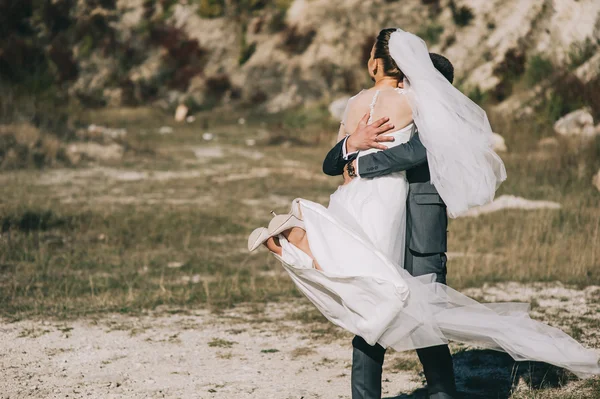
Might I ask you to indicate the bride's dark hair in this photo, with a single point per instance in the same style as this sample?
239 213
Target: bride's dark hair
382 51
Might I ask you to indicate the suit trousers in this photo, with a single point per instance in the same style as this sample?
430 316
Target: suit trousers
367 360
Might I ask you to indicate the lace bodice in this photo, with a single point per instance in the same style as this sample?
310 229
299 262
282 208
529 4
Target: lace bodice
374 101
382 102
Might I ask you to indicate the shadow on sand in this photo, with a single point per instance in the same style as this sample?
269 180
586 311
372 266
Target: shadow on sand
485 374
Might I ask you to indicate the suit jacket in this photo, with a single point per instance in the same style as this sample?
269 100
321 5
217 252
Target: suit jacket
426 218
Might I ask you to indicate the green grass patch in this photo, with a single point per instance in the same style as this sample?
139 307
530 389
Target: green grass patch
431 34
537 69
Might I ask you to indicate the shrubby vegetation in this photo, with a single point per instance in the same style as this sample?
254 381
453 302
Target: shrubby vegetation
561 91
219 8
45 48
431 33
462 15
537 69
581 52
211 8
508 71
296 41
567 93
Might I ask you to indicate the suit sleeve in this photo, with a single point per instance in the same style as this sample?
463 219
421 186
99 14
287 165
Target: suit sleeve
402 157
334 162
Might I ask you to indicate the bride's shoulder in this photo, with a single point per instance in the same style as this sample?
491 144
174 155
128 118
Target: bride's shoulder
380 93
393 96
360 97
359 94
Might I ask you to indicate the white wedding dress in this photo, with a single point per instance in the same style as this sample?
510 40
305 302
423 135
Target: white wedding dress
359 243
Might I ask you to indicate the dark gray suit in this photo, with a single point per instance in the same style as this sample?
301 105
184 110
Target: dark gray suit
426 238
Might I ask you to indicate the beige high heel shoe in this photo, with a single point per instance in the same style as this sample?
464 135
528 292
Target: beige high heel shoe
278 224
281 223
257 238
295 209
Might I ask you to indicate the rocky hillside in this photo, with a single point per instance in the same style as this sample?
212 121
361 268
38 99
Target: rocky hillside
278 54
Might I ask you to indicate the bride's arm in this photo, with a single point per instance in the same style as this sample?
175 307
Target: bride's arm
395 159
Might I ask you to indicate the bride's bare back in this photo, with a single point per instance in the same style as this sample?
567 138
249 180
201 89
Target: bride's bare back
389 102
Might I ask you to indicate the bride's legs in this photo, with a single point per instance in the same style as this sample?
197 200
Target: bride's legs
272 245
296 236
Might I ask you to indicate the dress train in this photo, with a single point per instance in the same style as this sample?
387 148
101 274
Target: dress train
364 292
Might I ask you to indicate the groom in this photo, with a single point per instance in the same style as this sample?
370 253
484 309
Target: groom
426 224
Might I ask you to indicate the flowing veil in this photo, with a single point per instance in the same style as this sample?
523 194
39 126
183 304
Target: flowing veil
456 132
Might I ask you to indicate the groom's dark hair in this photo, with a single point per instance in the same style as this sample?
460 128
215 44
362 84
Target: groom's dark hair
443 65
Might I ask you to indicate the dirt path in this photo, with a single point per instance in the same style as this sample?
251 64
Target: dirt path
274 351
177 356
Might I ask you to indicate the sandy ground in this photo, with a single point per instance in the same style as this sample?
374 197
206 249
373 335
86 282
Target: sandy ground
249 352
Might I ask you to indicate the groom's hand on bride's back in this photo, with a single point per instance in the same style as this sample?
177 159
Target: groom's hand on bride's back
369 136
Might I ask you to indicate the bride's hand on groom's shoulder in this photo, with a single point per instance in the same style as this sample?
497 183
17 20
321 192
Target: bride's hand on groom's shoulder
369 136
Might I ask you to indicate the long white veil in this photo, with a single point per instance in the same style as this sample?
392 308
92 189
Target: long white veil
455 131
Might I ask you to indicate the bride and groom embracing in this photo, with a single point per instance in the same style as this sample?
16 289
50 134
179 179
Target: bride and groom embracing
373 262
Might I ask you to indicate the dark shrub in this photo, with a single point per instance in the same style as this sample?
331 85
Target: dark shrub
218 84
297 42
34 220
570 93
14 18
61 55
579 53
55 15
477 95
246 51
277 21
502 90
211 8
253 5
185 58
434 6
216 88
537 69
21 59
258 97
431 33
462 15
508 71
450 40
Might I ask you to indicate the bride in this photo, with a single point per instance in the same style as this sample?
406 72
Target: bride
347 259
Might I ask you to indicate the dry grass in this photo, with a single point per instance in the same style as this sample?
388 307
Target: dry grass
220 343
302 351
406 361
80 241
